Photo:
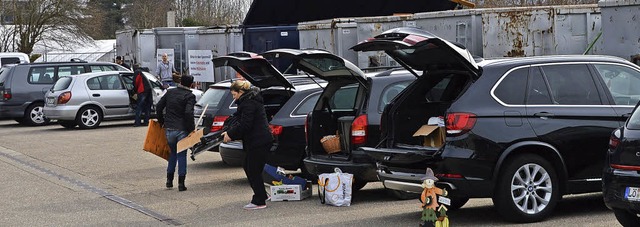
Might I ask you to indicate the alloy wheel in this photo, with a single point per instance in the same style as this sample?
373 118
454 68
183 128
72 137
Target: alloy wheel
531 188
90 117
37 116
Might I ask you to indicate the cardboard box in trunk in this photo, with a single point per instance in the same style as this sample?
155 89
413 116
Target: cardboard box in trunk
433 135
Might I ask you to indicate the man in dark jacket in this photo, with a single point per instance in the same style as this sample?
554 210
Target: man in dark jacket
175 114
144 98
253 130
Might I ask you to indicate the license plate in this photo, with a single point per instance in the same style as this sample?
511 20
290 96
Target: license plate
444 200
632 194
51 101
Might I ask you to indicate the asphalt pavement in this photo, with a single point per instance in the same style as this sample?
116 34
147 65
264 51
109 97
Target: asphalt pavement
53 176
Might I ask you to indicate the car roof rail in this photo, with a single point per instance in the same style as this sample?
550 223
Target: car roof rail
379 68
388 72
77 60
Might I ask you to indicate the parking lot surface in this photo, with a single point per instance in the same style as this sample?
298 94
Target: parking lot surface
59 177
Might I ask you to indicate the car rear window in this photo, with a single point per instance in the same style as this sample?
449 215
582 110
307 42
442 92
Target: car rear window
4 73
344 98
213 97
62 83
634 120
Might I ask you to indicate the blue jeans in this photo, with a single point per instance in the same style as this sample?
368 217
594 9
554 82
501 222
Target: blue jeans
173 136
144 104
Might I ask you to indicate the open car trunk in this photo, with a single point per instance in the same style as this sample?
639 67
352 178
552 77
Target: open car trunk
337 108
428 97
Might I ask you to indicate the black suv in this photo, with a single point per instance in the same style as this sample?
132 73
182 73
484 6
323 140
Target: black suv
287 100
22 86
621 177
350 106
523 131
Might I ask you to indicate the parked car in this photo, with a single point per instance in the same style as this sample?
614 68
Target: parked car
287 100
350 105
522 131
621 176
23 86
87 99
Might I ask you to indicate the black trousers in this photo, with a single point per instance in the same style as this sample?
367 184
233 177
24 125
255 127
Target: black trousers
253 166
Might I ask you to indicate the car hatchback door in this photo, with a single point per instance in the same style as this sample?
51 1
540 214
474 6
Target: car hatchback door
109 91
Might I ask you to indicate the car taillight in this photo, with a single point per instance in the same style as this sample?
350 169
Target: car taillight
624 167
64 97
6 95
276 130
218 123
460 123
306 128
614 140
359 130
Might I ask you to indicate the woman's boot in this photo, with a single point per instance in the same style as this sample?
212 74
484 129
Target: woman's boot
169 180
181 186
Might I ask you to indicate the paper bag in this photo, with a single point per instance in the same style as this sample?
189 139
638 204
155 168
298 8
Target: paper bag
156 140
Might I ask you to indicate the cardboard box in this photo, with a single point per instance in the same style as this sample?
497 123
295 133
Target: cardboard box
290 192
433 135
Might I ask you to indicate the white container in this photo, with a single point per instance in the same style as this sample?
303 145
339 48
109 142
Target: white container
335 36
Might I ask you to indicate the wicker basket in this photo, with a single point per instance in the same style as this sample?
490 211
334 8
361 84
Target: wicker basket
331 143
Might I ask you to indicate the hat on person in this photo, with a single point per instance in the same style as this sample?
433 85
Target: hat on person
186 80
429 175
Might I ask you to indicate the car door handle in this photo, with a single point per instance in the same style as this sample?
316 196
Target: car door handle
96 95
626 115
543 114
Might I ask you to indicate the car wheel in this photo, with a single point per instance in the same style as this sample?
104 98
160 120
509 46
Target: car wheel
527 189
626 218
34 115
402 195
67 124
89 117
357 185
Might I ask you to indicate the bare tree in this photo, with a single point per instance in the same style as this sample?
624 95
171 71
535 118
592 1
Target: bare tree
211 12
148 13
57 21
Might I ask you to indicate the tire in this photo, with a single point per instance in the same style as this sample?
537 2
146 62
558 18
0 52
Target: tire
357 185
67 124
34 116
89 117
519 198
626 218
457 202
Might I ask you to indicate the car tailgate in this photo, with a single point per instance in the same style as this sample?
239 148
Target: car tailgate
408 155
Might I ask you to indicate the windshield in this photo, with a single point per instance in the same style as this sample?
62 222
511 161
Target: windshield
213 97
4 73
62 83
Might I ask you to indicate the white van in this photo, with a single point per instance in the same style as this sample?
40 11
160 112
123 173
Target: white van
13 58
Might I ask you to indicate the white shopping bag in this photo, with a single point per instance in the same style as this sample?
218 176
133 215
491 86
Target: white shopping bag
335 188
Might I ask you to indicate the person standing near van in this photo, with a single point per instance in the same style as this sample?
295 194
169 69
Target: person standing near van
144 98
253 130
120 62
175 114
165 71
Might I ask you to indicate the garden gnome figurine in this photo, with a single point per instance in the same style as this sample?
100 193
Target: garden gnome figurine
429 199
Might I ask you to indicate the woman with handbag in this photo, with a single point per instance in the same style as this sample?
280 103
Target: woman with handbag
253 130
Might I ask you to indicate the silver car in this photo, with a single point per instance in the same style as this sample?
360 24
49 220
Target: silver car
87 99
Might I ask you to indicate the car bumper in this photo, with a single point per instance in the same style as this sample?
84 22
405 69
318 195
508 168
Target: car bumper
8 111
60 112
403 180
614 184
361 171
232 152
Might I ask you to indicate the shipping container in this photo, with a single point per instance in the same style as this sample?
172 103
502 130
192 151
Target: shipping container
137 46
262 39
621 28
371 26
535 31
335 36
176 38
460 26
221 41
